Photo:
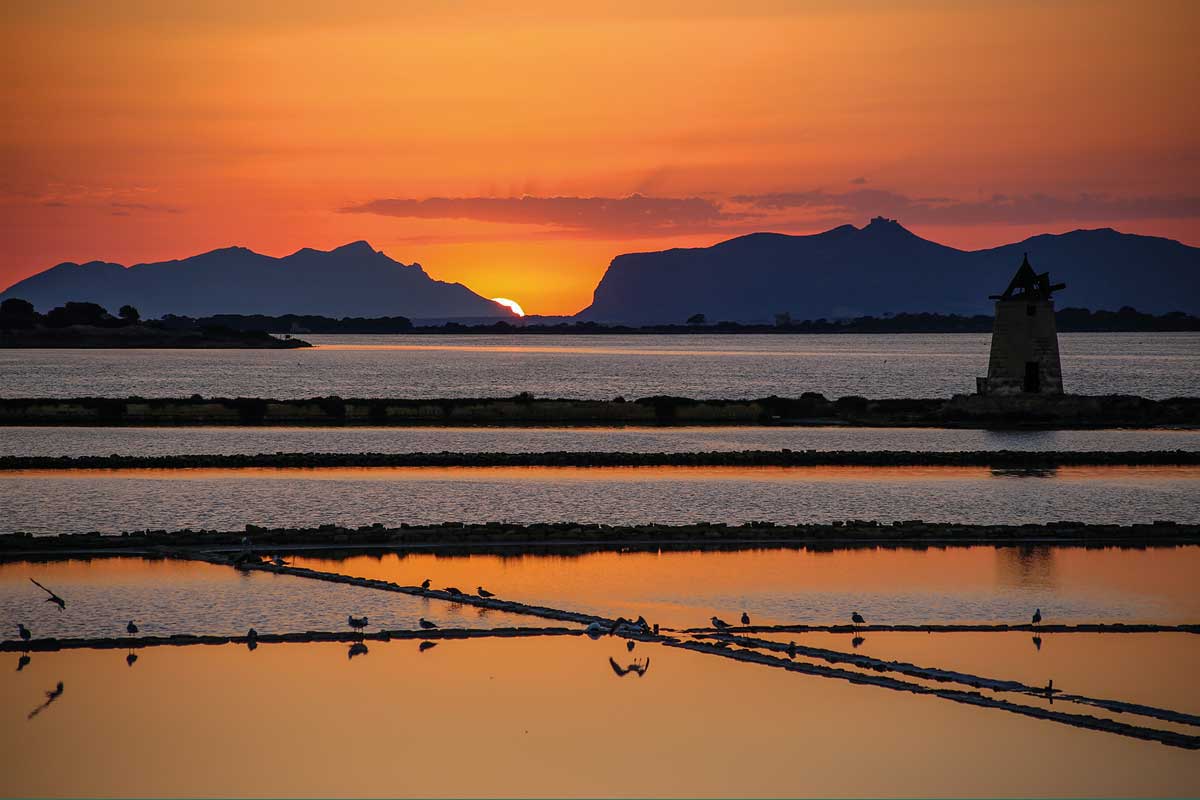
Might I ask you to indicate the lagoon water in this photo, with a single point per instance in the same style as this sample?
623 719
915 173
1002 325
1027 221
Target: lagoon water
58 501
1154 365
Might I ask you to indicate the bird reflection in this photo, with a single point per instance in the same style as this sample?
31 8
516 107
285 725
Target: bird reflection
1050 691
53 598
857 641
1037 642
629 645
132 657
51 696
638 667
426 645
23 661
357 649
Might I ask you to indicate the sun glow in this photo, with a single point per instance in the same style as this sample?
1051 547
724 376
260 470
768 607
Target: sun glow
512 304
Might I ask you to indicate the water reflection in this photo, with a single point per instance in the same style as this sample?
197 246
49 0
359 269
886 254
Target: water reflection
637 667
357 649
51 697
1026 565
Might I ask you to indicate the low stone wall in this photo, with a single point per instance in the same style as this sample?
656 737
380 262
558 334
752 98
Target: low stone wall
527 538
995 459
1033 411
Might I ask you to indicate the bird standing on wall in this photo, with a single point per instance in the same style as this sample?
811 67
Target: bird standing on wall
1037 617
482 592
24 632
857 619
791 651
357 623
425 584
719 623
745 618
131 628
53 598
426 624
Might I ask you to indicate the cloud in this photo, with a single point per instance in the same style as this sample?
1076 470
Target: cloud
599 217
999 208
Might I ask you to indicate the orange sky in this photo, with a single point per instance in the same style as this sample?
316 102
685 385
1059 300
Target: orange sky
141 131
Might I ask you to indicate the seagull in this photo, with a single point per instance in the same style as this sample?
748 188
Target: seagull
425 584
857 619
131 629
358 623
426 624
482 592
453 591
719 623
252 634
656 629
1037 617
423 646
745 618
24 632
129 659
53 598
791 651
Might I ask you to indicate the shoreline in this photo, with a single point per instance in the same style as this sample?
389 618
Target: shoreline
1016 412
994 459
513 539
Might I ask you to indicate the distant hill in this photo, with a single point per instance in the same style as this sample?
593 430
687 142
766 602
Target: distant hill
353 280
885 268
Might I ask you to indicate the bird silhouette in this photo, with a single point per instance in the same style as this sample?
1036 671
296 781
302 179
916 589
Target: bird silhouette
426 624
53 598
1037 642
129 659
131 629
629 645
719 623
23 661
745 618
426 583
357 649
279 562
357 623
24 632
252 634
595 630
482 592
51 696
1050 691
791 651
453 591
1037 617
423 646
637 667
656 629
857 619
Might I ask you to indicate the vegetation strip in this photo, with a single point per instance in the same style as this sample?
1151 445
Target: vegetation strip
996 459
950 676
966 411
554 537
958 696
181 640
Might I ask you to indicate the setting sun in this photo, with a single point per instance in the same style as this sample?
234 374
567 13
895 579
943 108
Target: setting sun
513 304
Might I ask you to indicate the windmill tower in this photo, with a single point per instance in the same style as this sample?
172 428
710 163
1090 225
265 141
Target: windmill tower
1024 355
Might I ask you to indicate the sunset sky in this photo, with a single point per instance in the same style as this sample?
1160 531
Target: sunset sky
519 151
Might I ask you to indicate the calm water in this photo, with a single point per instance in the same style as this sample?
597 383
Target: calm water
228 499
933 365
159 441
547 717
167 597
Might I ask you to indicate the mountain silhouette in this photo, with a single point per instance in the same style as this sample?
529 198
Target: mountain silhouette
882 268
352 280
